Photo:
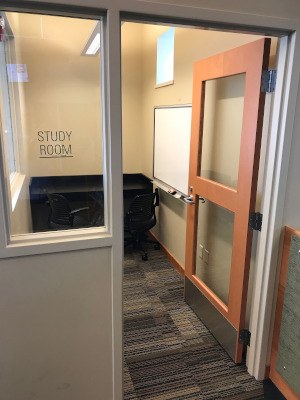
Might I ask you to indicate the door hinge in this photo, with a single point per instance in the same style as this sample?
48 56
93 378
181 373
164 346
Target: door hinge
255 221
244 337
268 81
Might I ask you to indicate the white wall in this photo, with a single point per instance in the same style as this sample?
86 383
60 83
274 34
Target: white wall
56 333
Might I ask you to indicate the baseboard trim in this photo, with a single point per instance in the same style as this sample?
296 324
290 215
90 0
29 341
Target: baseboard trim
216 323
170 257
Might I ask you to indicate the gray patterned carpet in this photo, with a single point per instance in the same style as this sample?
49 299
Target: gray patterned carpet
169 353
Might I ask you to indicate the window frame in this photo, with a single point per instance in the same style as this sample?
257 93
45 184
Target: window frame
15 177
7 94
71 239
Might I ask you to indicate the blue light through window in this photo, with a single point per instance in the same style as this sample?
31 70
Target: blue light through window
165 57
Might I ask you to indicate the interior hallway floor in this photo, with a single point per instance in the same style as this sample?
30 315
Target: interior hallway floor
169 353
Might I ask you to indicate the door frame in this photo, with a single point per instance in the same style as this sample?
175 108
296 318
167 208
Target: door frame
277 161
268 249
280 132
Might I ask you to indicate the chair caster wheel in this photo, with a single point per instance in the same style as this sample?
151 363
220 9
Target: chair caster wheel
156 246
145 257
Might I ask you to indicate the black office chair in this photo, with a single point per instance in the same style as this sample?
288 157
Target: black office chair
139 220
62 216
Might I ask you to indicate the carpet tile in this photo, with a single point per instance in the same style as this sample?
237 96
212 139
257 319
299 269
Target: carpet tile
168 352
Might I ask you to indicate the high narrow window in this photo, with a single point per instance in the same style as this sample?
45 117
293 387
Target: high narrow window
165 58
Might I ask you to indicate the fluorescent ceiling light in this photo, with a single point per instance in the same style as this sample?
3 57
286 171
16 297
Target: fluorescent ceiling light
92 46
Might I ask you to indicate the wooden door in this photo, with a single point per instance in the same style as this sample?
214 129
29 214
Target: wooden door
224 187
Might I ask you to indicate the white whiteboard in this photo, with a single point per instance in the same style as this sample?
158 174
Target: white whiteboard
172 131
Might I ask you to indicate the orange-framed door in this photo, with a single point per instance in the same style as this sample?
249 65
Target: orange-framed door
227 119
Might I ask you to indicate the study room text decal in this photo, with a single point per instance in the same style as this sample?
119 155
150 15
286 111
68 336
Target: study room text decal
55 144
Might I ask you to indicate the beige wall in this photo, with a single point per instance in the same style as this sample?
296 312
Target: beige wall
132 97
18 106
190 46
20 217
21 221
63 95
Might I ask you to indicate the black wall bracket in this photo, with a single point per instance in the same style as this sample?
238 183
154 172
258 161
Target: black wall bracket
255 221
244 337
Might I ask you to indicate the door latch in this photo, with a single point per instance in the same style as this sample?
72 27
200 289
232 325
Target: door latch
188 199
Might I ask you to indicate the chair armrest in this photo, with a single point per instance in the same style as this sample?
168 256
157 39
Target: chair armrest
78 210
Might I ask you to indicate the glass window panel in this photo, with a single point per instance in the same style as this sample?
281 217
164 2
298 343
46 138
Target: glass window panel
55 95
6 114
222 128
214 247
165 57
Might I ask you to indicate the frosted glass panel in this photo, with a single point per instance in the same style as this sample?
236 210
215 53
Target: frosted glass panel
288 361
222 128
214 247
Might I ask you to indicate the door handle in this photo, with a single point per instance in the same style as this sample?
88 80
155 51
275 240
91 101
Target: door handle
188 200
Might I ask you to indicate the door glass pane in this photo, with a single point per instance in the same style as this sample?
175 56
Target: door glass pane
214 247
222 128
52 84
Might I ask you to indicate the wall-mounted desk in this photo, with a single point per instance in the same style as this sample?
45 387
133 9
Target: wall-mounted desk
81 191
39 186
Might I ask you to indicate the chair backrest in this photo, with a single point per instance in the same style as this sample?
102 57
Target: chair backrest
60 214
141 215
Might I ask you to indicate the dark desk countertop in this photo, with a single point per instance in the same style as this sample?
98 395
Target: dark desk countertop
86 183
65 184
79 191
